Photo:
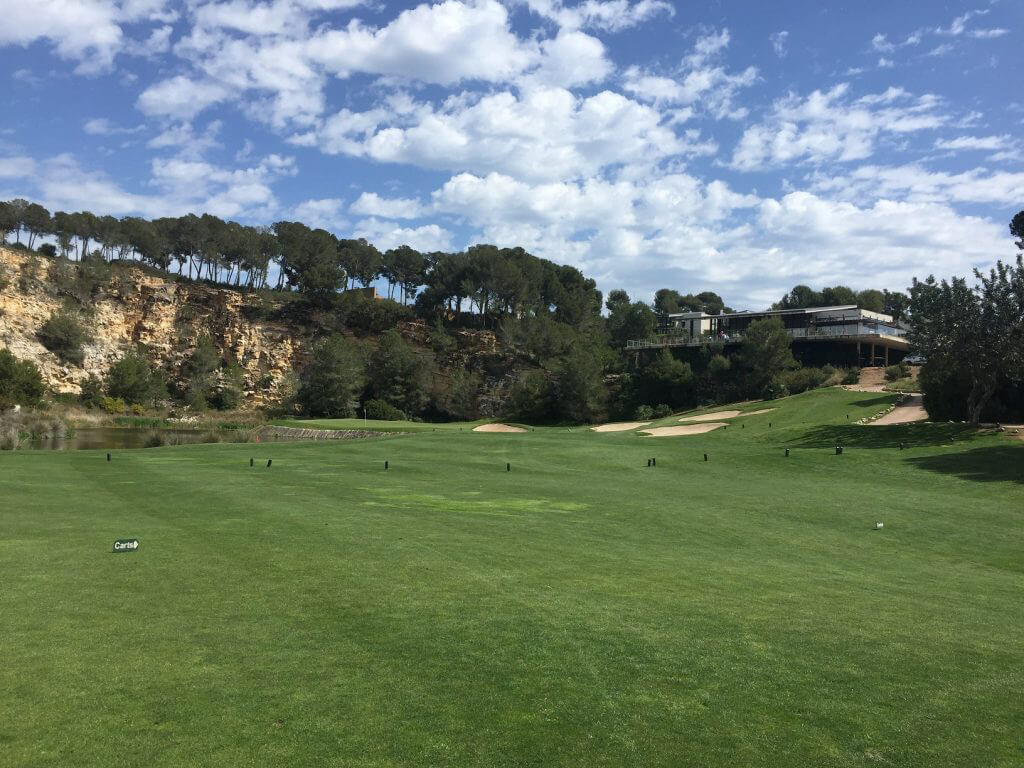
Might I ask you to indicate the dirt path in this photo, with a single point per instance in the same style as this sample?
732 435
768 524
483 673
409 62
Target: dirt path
871 380
911 410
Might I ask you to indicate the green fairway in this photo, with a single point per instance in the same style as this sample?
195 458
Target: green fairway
582 609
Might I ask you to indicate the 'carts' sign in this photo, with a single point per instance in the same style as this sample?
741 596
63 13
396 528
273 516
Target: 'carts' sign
126 545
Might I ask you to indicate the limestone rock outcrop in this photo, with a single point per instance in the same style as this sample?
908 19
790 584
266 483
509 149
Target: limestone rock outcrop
136 307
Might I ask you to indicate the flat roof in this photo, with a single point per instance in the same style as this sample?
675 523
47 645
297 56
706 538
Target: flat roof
800 311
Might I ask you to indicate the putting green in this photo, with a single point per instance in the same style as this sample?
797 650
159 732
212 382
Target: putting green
582 609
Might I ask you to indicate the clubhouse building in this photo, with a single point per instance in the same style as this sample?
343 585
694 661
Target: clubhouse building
841 335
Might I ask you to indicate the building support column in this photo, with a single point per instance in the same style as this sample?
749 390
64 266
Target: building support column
886 355
859 361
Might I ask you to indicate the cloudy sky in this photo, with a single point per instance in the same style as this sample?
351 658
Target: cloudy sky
738 146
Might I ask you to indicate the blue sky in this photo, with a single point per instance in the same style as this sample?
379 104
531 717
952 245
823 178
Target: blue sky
740 147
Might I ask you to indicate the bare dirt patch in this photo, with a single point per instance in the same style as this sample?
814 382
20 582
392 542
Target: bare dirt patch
712 416
620 426
911 410
691 429
497 428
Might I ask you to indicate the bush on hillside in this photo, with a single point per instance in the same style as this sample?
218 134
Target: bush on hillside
368 316
133 380
803 379
457 396
227 395
21 383
64 335
382 411
530 397
113 405
895 372
643 413
331 382
662 411
92 392
398 374
852 376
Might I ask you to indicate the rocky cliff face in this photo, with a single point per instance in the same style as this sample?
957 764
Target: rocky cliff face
133 307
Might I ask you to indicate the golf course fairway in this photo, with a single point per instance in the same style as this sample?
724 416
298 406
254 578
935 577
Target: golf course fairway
534 599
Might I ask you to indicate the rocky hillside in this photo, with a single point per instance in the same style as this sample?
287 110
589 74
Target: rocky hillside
132 307
123 306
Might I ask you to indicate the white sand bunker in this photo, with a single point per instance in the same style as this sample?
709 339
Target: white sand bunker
497 428
620 426
712 416
756 413
691 429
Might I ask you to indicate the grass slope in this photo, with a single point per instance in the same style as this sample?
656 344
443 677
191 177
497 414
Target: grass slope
580 610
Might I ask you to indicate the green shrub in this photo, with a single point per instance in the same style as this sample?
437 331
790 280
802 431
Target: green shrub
332 380
899 371
382 410
64 335
137 409
643 413
852 376
228 394
366 315
803 379
92 392
133 380
113 404
662 411
21 383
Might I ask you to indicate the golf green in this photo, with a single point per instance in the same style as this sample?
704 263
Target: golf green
582 609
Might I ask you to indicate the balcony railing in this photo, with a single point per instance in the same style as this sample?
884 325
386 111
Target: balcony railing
818 333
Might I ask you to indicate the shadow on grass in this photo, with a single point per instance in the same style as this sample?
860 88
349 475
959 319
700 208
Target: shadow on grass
991 464
887 436
883 398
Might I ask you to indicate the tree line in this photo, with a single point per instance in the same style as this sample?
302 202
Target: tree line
488 281
565 356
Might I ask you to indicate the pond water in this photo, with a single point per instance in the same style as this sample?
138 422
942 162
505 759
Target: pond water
110 438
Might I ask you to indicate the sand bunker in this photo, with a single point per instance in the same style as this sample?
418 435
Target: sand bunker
911 410
712 416
692 429
620 426
497 428
755 413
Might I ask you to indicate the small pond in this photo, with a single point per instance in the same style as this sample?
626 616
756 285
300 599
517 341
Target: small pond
110 438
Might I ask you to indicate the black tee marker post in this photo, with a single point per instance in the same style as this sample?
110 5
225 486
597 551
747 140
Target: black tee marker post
508 467
252 462
385 465
108 457
269 462
839 450
787 453
705 457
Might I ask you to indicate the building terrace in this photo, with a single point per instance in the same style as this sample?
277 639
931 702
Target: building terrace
842 335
